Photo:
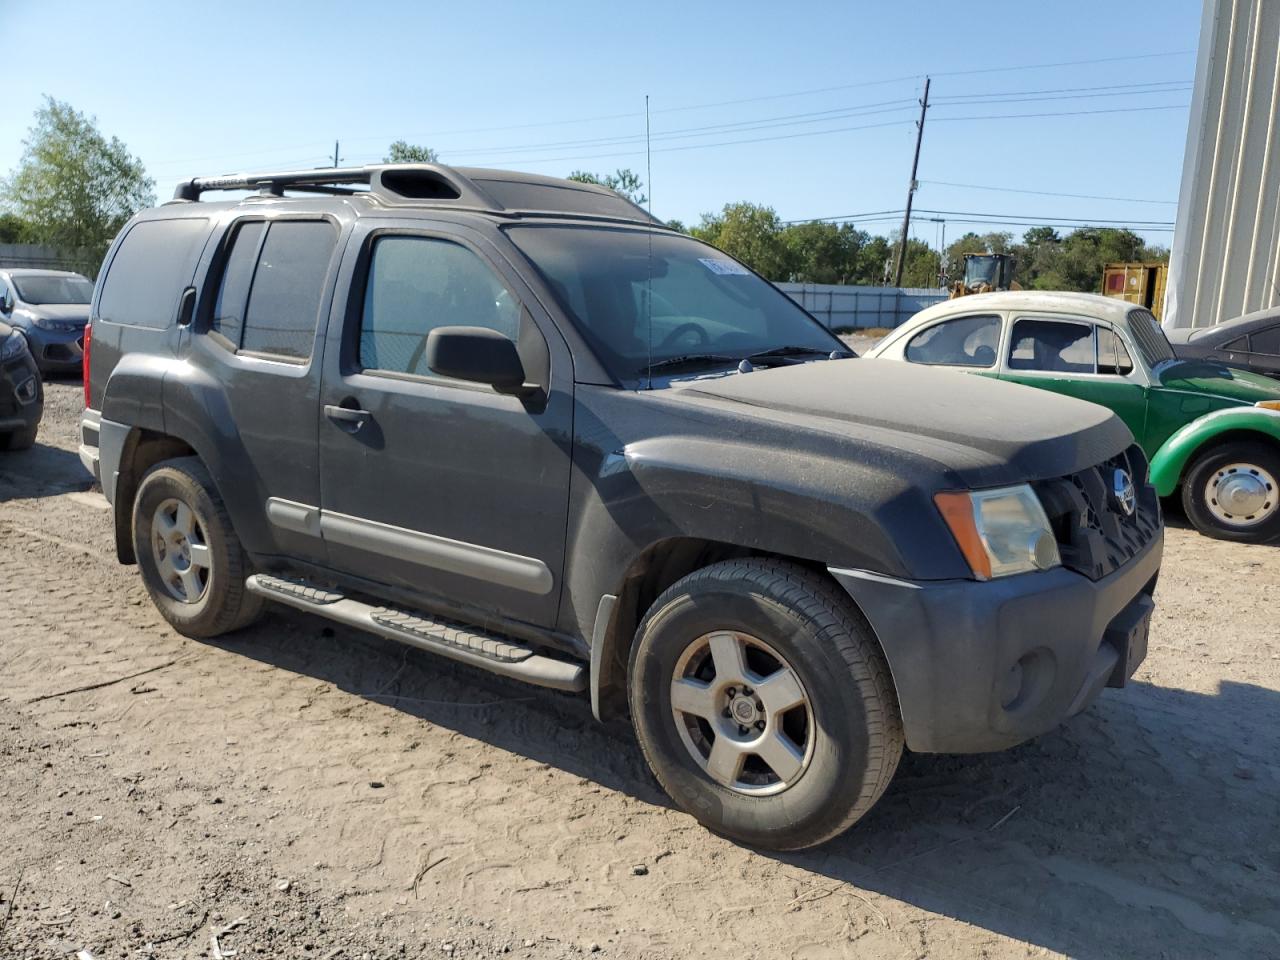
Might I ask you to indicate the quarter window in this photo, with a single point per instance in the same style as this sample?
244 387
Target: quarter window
1113 358
417 284
959 342
153 265
272 283
1054 346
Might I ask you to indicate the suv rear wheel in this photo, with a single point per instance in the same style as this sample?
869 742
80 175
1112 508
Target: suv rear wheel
191 560
763 703
1232 492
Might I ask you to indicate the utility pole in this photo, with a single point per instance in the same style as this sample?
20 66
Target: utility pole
911 188
335 147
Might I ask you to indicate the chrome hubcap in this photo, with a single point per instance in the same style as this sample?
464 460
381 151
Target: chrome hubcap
1241 494
742 713
180 550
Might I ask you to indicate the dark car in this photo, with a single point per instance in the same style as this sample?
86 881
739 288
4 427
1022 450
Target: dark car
50 307
516 421
21 394
1250 342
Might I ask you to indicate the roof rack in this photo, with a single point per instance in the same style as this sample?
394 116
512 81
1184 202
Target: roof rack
492 191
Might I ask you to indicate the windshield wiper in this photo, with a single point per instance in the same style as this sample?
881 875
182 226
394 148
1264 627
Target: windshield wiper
691 359
789 351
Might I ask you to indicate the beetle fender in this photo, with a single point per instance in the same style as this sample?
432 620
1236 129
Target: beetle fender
1170 461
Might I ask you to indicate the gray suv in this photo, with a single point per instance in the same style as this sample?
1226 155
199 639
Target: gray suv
517 422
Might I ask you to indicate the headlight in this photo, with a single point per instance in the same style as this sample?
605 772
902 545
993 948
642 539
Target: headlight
1000 532
60 326
44 323
14 345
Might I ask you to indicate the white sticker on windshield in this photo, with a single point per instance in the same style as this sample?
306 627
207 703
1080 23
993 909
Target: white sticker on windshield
724 268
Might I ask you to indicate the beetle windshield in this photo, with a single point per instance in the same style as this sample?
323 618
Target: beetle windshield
644 298
40 290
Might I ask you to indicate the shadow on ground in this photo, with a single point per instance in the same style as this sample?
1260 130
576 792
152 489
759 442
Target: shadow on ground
1154 811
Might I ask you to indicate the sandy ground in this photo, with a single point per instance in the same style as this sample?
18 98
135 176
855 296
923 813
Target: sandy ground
315 792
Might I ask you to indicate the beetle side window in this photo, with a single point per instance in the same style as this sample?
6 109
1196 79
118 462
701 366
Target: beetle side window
1053 346
153 264
959 342
417 284
1113 358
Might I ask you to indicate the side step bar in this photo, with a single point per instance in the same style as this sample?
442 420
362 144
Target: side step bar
449 638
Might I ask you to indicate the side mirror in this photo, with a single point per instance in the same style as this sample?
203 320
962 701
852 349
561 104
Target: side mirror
479 355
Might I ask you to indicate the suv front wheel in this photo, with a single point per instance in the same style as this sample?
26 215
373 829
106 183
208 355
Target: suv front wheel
763 703
191 559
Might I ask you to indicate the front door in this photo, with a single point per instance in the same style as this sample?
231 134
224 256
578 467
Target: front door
1079 358
439 486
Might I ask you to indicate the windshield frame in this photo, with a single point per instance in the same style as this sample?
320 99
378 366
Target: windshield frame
18 280
645 374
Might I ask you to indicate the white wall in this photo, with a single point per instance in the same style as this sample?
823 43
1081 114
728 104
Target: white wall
1226 246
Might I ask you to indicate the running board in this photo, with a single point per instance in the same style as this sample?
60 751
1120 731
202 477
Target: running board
449 638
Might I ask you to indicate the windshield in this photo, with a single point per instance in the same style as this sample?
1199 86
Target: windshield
40 290
687 300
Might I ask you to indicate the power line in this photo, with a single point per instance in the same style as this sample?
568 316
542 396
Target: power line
1062 113
1047 193
1063 63
1066 96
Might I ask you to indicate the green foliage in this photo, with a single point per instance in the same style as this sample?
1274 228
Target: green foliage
13 229
74 188
624 181
750 233
404 152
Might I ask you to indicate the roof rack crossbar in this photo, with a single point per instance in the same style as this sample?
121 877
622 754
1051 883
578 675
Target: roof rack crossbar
275 182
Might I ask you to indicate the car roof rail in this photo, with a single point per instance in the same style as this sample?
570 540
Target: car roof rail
432 184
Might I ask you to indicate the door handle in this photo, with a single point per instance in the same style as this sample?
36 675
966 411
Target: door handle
348 418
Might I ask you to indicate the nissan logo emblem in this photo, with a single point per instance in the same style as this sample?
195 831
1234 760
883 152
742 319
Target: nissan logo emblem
1122 490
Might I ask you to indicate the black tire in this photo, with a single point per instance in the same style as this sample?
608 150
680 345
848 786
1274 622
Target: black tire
225 604
856 727
1202 473
23 439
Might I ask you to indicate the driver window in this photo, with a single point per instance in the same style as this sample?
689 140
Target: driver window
959 342
1054 346
416 284
1113 358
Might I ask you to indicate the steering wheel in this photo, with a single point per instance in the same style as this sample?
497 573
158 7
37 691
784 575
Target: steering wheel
670 339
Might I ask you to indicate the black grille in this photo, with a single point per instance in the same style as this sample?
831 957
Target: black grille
1095 535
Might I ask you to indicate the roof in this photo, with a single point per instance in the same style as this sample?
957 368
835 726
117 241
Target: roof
1092 304
432 185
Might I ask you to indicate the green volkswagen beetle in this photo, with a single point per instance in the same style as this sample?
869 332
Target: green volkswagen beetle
1210 431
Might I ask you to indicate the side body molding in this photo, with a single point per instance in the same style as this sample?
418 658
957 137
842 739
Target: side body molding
438 553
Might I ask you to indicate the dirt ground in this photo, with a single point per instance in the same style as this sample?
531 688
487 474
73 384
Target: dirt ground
302 790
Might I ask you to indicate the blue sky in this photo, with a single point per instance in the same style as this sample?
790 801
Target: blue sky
820 97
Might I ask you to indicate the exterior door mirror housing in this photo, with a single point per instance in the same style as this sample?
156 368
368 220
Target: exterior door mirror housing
479 355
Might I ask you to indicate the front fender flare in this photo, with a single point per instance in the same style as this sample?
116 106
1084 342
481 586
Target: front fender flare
1170 461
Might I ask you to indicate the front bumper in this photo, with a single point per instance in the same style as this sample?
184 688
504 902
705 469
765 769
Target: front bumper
985 666
56 351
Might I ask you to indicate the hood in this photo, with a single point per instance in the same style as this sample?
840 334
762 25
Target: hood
57 311
986 431
1215 379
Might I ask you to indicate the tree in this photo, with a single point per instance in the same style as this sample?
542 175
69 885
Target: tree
750 233
624 181
404 152
823 252
73 187
13 229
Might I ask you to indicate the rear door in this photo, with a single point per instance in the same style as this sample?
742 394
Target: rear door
258 343
442 487
1081 358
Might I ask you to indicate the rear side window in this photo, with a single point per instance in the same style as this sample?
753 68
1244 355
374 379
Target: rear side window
154 263
1054 346
272 283
1113 356
417 284
1266 341
961 342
